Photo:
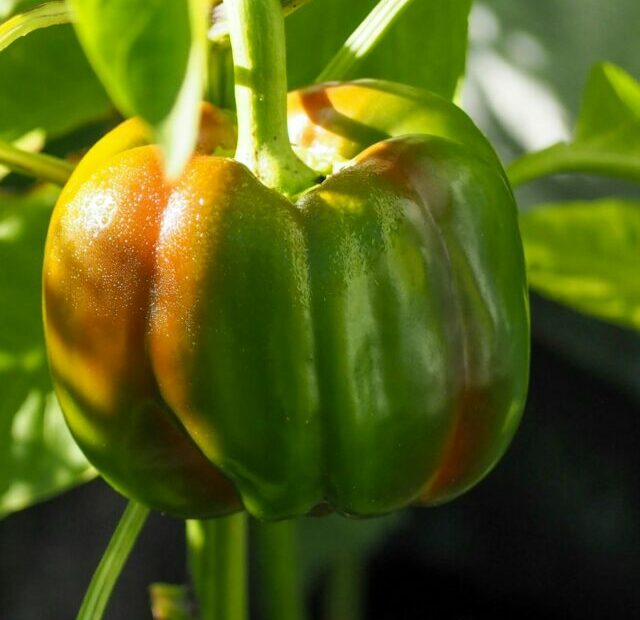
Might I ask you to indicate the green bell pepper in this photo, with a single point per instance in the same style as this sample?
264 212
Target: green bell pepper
217 346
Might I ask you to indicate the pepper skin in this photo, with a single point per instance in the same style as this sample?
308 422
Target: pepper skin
215 345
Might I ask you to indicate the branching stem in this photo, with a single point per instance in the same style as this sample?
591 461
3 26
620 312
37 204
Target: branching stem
35 164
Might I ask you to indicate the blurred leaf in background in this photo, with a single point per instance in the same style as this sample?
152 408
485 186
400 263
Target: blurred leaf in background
587 255
558 41
527 69
46 84
607 135
38 457
48 92
529 61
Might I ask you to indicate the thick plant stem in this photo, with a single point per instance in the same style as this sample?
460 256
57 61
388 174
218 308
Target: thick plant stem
218 566
256 28
35 165
50 14
219 31
343 598
112 562
363 39
276 549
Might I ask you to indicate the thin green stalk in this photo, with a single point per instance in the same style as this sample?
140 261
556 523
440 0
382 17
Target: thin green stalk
50 14
276 552
571 158
35 165
104 579
363 39
258 46
343 598
217 552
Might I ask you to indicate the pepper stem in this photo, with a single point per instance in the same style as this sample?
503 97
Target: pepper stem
280 587
256 28
343 599
218 566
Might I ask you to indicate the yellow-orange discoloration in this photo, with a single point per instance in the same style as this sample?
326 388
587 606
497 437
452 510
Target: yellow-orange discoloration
99 273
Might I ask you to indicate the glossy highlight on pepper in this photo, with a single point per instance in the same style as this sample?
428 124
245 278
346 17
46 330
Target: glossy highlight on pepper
216 346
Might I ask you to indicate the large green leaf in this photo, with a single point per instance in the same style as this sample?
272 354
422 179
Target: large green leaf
151 56
587 255
38 457
426 47
46 84
607 135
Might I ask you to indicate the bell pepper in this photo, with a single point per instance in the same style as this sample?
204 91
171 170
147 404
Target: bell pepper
217 346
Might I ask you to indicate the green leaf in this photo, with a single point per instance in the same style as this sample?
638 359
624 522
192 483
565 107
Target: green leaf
611 106
151 57
47 85
426 47
586 255
607 135
38 457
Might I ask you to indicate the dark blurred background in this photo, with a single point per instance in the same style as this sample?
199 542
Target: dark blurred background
554 531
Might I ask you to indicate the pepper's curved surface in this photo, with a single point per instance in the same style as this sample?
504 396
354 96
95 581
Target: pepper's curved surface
216 346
